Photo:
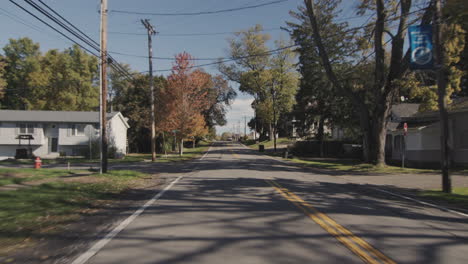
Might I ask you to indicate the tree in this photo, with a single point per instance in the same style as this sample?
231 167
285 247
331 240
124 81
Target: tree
270 79
318 101
22 59
3 83
284 84
132 97
185 99
54 81
249 70
373 101
220 96
66 81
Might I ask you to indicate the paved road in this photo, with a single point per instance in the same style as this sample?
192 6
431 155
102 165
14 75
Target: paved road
240 207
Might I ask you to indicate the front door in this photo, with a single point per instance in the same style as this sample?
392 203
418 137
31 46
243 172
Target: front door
51 132
53 145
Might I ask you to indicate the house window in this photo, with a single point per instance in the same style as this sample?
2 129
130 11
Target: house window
26 128
78 130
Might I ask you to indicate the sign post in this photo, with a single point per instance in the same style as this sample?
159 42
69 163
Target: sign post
403 142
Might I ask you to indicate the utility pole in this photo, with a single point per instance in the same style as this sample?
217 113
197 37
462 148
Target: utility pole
103 90
245 126
442 91
151 32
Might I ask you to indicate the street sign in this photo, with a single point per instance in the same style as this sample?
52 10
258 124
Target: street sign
421 47
405 128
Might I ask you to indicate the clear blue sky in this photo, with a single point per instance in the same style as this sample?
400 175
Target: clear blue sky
84 14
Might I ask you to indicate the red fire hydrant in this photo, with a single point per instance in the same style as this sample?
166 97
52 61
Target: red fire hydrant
37 163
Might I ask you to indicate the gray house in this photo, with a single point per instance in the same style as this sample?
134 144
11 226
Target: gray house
49 134
422 142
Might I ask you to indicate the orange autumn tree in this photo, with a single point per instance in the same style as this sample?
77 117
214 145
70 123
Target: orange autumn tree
185 98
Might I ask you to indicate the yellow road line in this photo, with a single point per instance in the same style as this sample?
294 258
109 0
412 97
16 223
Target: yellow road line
342 234
234 154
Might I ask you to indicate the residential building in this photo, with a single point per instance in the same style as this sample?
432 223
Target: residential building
50 134
421 145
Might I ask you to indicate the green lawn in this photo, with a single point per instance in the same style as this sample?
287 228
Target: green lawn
189 153
26 213
10 176
268 144
356 166
459 196
347 165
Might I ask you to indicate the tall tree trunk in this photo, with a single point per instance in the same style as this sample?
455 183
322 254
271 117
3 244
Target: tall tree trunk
379 132
274 135
181 147
164 143
270 131
320 135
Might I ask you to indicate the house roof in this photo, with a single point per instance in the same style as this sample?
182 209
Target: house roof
404 109
51 116
399 112
459 105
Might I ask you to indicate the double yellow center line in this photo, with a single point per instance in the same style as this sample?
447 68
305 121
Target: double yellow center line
234 154
357 245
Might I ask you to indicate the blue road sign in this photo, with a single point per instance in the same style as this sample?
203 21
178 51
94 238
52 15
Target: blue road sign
421 47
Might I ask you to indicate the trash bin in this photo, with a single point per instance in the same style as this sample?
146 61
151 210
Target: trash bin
261 148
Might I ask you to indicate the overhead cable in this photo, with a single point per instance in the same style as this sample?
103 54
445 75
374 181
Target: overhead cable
199 13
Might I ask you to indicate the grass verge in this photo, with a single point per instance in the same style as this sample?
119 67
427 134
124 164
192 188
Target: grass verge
268 144
26 214
189 153
458 197
18 176
357 166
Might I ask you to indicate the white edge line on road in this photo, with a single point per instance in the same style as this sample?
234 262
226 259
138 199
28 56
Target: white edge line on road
83 258
391 193
101 243
421 202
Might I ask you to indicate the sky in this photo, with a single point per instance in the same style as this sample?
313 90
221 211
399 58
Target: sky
85 15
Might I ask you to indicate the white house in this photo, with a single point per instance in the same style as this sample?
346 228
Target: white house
421 145
49 134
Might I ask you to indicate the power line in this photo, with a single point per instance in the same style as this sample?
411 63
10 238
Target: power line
52 27
22 21
200 13
221 60
80 34
189 34
160 58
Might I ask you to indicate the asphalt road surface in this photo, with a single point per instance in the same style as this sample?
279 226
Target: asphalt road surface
241 207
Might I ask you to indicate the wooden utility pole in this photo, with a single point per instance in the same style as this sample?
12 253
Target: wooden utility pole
103 90
442 91
245 126
151 32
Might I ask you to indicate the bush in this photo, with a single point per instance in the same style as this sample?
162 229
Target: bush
112 151
332 149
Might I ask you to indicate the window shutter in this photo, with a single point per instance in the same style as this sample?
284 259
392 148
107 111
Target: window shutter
69 130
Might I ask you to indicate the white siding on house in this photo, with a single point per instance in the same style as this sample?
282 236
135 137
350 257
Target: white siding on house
413 140
66 136
430 137
118 134
68 142
9 131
